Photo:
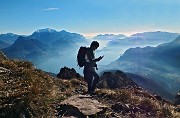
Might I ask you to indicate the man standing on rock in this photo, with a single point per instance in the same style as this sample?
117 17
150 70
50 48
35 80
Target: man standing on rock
90 75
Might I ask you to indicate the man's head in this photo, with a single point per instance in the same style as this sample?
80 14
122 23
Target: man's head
94 45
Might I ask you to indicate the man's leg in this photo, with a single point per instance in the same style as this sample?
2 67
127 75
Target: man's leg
95 81
91 78
88 78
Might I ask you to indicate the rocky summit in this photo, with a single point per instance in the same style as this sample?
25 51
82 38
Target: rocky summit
67 73
27 92
114 80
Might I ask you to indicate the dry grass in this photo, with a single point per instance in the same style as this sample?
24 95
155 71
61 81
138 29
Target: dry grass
148 107
25 90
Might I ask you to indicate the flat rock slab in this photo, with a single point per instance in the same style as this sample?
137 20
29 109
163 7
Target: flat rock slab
81 105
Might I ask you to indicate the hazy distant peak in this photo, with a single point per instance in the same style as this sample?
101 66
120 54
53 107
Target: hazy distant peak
11 34
64 31
153 33
105 35
109 36
45 30
8 34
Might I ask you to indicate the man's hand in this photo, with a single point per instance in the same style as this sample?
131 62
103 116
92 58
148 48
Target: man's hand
100 58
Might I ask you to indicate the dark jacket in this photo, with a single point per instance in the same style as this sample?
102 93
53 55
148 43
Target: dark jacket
91 57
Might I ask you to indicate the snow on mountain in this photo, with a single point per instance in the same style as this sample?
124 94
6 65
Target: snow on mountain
45 30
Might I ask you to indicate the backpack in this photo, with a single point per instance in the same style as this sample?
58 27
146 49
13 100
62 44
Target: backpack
81 56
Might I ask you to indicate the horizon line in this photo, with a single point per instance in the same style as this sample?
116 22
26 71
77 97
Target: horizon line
93 34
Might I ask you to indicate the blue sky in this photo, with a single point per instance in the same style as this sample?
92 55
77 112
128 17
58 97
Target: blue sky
90 17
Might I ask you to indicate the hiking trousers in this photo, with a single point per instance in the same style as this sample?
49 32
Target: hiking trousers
91 77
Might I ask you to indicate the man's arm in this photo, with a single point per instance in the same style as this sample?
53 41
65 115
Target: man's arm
99 58
91 56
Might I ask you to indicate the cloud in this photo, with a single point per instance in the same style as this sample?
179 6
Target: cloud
50 9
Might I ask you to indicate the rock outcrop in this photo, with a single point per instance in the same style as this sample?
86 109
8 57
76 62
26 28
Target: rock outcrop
67 73
115 80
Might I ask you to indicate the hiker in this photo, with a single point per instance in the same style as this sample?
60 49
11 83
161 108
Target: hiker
90 75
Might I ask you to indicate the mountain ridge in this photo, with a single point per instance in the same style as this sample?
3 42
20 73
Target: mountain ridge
156 37
7 39
159 63
43 44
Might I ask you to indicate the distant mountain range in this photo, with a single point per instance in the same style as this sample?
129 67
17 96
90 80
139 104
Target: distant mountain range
109 36
7 39
43 43
27 48
159 63
49 43
50 36
137 40
167 53
145 39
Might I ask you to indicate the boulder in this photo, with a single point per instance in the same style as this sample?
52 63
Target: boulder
80 106
67 73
